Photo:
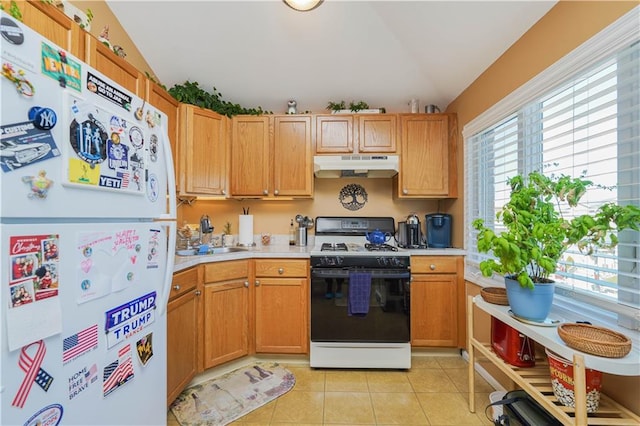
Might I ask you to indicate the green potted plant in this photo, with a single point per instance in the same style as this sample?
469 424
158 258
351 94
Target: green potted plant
536 235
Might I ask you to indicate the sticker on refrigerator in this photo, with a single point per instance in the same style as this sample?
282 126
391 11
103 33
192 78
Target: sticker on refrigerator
130 318
103 141
100 87
118 372
17 76
22 144
30 361
80 343
56 64
153 249
144 348
81 380
11 31
49 416
34 307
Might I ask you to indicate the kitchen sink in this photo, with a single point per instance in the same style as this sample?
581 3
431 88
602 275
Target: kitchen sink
214 250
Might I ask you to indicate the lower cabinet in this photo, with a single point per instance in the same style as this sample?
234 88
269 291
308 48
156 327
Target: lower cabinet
226 312
435 310
282 303
183 331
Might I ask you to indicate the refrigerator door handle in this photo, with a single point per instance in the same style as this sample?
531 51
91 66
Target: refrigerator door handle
168 273
171 181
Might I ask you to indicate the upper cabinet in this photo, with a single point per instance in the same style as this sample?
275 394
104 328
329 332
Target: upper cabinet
271 156
202 152
161 99
53 24
428 164
334 134
377 133
102 58
356 133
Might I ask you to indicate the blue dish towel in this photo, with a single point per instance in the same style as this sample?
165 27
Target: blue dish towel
359 293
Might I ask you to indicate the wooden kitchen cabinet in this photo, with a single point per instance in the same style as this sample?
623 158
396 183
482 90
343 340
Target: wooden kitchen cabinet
357 133
183 331
271 157
226 312
103 59
436 282
377 133
202 151
292 156
161 99
334 134
249 175
428 164
52 23
281 305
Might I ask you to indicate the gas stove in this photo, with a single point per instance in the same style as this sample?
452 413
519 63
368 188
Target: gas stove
341 242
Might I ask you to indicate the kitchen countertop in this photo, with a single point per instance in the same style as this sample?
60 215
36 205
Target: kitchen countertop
292 252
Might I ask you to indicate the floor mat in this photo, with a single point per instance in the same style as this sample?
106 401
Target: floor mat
221 400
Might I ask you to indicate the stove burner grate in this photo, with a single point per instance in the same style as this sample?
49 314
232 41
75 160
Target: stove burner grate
380 247
334 247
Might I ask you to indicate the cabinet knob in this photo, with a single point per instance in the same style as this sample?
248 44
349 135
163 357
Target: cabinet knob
265 192
198 292
276 192
257 283
176 287
224 192
281 271
246 284
432 267
405 191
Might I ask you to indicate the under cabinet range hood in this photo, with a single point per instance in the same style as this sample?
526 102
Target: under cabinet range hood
369 166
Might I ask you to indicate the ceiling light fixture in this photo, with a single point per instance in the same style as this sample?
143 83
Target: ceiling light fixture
303 5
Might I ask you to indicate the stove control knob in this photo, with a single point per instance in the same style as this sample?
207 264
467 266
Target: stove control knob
339 260
383 261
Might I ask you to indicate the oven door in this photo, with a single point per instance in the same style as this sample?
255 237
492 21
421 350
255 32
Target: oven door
387 320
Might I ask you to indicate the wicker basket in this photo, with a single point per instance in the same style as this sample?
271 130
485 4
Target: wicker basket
495 295
595 340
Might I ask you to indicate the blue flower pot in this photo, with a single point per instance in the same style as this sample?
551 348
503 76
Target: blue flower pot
532 305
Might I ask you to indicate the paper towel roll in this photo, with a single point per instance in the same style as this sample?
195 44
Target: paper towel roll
245 236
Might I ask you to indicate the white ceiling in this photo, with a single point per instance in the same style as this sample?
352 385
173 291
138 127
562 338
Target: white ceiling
262 53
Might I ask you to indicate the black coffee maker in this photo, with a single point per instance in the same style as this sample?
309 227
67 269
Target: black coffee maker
412 237
438 230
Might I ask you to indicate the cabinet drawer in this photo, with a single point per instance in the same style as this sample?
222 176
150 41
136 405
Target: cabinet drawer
434 264
224 271
183 282
281 268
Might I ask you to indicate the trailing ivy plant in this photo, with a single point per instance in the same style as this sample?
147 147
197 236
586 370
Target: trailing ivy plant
536 234
14 10
353 106
191 93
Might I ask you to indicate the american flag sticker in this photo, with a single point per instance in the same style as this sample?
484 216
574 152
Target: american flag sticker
79 343
118 372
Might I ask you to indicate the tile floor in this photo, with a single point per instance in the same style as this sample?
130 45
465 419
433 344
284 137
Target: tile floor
433 392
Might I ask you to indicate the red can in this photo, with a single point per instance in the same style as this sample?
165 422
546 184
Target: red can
511 345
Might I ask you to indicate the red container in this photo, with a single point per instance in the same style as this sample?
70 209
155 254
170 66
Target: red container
511 345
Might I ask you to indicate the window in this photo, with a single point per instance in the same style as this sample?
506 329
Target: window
584 122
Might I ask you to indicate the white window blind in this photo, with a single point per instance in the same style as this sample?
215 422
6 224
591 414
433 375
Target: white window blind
577 123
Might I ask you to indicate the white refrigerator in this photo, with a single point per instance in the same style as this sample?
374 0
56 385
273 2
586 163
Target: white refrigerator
87 232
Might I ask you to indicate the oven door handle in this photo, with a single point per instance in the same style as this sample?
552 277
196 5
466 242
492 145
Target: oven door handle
375 273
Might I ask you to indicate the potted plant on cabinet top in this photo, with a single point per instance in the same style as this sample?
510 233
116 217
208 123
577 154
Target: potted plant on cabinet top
536 235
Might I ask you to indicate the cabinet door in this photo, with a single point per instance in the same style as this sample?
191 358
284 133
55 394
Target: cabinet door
334 134
161 99
53 24
434 310
250 156
281 315
292 156
103 59
182 342
377 133
226 322
202 151
424 158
